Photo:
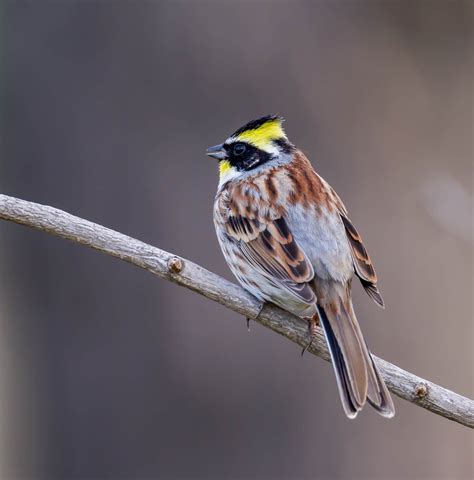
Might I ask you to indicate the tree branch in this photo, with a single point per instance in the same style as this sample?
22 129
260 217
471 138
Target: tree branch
187 274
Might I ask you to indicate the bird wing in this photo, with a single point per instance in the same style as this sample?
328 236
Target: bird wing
268 246
362 263
363 266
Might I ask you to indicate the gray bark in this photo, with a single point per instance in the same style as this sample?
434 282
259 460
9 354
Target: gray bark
183 272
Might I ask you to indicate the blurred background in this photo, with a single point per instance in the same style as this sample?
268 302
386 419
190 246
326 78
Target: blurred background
107 372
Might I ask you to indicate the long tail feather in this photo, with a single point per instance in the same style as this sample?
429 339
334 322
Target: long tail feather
378 395
357 376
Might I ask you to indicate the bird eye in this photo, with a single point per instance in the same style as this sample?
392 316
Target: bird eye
239 149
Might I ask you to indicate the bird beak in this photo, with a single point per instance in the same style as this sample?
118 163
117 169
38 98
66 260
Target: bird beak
218 152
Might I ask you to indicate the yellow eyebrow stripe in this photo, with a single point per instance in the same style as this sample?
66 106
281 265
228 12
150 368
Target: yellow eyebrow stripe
263 135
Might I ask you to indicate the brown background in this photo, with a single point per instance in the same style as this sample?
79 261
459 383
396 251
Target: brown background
108 372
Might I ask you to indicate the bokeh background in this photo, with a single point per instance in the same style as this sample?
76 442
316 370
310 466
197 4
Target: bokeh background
107 372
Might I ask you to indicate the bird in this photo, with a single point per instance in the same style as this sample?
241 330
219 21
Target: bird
288 239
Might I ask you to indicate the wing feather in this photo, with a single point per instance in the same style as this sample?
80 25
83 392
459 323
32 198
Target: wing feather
362 263
269 247
363 266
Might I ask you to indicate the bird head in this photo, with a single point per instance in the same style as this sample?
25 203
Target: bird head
255 144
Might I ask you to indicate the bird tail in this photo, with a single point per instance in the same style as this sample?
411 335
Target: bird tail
358 378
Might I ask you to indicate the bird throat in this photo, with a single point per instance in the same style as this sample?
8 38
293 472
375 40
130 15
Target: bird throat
224 168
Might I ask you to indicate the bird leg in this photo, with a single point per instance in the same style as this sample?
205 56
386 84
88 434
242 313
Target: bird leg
256 316
313 323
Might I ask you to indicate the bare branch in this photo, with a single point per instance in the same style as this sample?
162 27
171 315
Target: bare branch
187 274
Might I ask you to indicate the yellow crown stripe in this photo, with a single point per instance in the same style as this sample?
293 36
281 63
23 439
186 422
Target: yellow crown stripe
263 135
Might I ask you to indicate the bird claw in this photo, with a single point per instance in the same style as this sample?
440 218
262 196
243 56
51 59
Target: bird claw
256 316
312 324
307 345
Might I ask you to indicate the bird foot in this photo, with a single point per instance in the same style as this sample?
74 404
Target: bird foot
313 323
255 317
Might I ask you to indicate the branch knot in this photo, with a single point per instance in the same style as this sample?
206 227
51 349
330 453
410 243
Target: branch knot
175 265
421 390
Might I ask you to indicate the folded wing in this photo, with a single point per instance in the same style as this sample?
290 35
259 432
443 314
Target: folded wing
269 247
362 263
363 266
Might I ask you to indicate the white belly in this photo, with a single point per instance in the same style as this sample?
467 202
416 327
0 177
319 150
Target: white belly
323 238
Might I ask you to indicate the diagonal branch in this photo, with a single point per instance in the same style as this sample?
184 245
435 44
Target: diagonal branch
187 274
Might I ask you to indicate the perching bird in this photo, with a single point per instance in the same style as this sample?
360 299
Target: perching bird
287 238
